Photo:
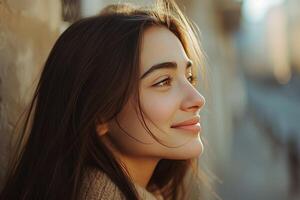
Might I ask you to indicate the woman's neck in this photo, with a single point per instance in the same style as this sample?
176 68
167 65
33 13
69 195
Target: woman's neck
140 169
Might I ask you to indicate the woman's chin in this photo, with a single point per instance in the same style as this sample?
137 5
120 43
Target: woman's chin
189 151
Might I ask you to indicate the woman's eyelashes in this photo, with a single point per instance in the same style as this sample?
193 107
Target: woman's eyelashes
192 79
165 82
168 81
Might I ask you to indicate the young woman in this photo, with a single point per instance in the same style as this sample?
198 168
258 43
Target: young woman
116 113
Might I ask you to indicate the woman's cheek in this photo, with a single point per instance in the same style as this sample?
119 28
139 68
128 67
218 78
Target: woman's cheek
160 108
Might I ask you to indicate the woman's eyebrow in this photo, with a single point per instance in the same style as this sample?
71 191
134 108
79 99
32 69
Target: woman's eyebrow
165 65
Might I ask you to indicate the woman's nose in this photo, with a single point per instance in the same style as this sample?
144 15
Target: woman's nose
193 101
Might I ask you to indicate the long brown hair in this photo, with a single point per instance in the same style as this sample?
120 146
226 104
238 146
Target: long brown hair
89 76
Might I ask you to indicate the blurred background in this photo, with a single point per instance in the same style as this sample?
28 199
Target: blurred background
252 116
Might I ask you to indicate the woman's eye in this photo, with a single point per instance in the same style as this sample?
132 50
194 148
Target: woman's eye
192 79
165 82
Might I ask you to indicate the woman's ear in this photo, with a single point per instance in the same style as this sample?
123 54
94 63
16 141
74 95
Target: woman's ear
101 128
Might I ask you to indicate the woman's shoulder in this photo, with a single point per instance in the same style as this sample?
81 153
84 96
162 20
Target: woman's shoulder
146 195
97 185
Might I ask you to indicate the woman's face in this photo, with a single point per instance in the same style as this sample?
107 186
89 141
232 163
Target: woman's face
168 98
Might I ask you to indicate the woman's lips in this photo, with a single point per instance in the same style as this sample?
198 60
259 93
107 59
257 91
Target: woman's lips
191 121
189 125
194 127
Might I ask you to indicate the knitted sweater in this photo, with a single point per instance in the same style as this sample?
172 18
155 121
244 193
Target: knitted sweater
98 186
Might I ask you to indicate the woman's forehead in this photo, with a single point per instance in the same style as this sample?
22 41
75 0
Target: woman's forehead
161 45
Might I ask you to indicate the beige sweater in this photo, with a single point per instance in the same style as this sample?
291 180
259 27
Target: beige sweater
97 185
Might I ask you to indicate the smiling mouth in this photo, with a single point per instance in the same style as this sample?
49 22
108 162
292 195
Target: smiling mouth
189 125
193 127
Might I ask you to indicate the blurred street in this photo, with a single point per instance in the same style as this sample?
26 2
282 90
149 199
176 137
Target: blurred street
259 168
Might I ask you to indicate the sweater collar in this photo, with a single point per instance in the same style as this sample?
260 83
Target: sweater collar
145 194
